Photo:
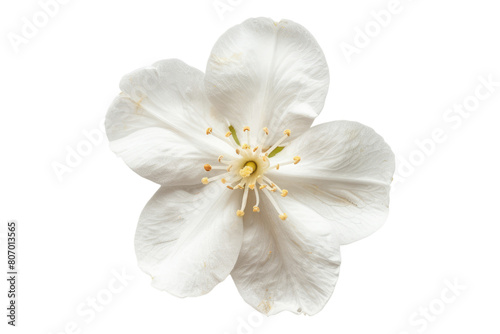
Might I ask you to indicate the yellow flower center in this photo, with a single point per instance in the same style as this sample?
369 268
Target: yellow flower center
249 169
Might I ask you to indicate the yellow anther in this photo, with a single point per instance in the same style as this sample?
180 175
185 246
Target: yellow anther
229 187
223 180
246 128
256 209
284 192
245 146
229 168
277 166
262 186
239 187
246 171
264 158
283 216
228 134
238 151
273 189
204 180
251 186
296 160
209 131
220 158
287 132
255 148
266 130
207 167
240 213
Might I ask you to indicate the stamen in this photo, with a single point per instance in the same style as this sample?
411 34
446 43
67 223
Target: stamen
266 130
256 201
233 179
251 186
255 148
245 146
295 161
287 134
220 158
235 183
282 215
207 180
209 131
207 167
229 187
240 213
262 186
277 166
284 192
247 130
239 185
229 168
223 180
268 183
228 134
218 167
238 151
273 185
244 201
223 138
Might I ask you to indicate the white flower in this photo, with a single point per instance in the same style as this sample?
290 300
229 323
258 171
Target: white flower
228 202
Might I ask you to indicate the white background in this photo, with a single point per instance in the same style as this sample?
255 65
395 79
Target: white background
76 231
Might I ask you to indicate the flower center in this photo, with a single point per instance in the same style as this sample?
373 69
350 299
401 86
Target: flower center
249 167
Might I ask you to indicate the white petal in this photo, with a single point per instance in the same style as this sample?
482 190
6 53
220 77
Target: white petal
158 124
267 74
290 265
166 157
188 239
344 175
169 94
